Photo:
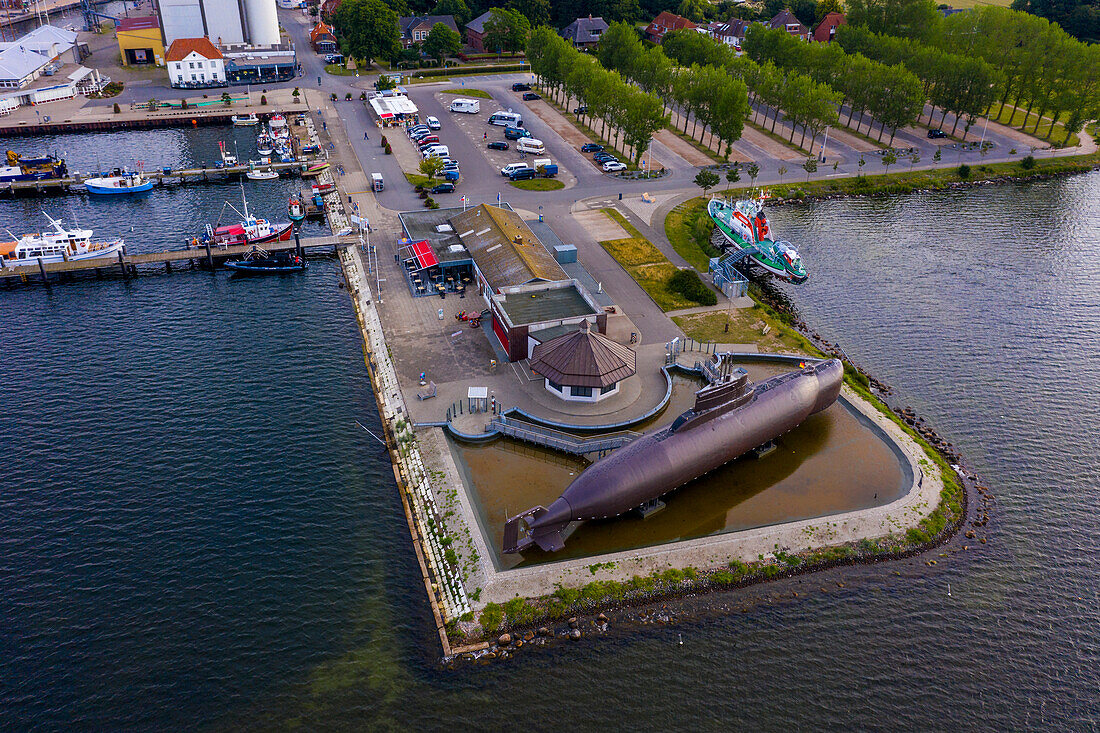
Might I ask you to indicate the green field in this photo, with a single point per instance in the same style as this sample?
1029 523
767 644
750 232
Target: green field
468 92
538 184
1014 117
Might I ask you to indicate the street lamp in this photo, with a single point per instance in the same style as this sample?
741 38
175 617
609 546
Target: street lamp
823 144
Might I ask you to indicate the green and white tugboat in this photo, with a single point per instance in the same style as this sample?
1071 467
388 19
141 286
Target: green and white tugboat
746 227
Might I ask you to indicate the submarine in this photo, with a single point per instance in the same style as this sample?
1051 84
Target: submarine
730 418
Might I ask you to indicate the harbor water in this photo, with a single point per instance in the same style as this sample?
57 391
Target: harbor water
194 533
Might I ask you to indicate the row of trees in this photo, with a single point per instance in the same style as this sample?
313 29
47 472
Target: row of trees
1041 66
889 92
706 93
633 114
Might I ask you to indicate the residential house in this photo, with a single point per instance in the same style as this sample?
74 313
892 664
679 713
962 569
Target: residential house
787 21
826 29
323 38
415 29
585 32
730 33
43 66
664 23
195 63
475 32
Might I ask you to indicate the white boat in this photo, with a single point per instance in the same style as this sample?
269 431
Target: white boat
123 183
265 145
246 120
262 174
60 245
228 158
277 124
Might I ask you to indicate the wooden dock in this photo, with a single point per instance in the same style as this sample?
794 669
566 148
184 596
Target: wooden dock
204 256
183 175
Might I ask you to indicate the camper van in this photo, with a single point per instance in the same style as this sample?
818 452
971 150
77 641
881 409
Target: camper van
506 119
469 106
530 145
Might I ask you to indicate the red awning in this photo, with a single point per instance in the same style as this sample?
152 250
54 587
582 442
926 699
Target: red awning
424 255
386 115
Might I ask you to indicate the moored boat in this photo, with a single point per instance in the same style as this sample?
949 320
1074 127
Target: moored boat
295 210
120 183
746 227
259 262
314 169
251 230
246 120
60 245
32 169
262 174
228 158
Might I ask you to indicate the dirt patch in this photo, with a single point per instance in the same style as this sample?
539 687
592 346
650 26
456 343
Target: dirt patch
774 148
856 143
601 227
685 149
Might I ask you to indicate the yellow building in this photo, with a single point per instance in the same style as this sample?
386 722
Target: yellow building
139 41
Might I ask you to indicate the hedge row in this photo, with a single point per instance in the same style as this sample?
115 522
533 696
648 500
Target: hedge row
505 68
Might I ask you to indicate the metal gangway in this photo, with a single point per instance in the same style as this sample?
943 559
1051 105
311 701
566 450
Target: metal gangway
725 275
557 439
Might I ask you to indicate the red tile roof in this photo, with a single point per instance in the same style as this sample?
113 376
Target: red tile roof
829 23
181 48
666 22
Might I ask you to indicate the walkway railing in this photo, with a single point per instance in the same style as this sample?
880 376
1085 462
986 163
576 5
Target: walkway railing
557 439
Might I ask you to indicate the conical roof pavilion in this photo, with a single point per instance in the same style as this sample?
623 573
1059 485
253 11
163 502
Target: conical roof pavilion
584 358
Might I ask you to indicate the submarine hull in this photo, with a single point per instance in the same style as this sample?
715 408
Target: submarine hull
697 443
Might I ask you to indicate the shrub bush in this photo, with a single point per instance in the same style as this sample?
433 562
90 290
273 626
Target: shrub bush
1028 163
118 109
389 150
263 100
490 617
964 171
688 284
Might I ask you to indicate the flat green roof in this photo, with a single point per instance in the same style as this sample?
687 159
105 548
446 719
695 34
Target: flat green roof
555 304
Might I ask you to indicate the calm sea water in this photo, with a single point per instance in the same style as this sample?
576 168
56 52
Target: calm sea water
194 533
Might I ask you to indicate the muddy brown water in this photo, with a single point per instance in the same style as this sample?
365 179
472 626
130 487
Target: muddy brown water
834 462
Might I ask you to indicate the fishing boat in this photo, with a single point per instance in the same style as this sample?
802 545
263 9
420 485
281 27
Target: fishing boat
323 188
277 125
265 144
314 169
259 262
120 182
228 159
295 210
246 120
250 230
60 245
262 174
31 169
746 227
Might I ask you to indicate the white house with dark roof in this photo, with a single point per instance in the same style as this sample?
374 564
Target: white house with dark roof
44 66
415 29
585 32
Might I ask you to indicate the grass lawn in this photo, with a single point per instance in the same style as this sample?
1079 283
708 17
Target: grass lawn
685 232
646 265
538 184
975 3
468 92
746 326
339 70
1014 117
418 180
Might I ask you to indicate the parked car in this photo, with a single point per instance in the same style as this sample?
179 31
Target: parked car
433 123
443 188
334 58
451 166
528 96
497 145
515 133
613 165
582 110
522 174
511 168
418 129
591 148
935 133
427 141
602 157
519 86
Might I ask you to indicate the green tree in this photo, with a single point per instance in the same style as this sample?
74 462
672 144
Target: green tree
888 159
782 172
913 160
458 8
441 42
431 167
754 171
810 166
824 7
917 19
937 156
369 29
733 175
227 100
706 180
862 163
506 30
695 10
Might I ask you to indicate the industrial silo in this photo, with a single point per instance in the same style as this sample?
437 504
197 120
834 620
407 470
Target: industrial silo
263 22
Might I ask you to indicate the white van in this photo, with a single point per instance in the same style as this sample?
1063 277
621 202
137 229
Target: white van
539 162
469 106
506 119
436 151
530 145
512 168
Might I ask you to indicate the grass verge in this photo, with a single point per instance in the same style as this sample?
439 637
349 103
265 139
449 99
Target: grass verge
1014 117
538 184
418 180
339 70
645 263
468 92
688 230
